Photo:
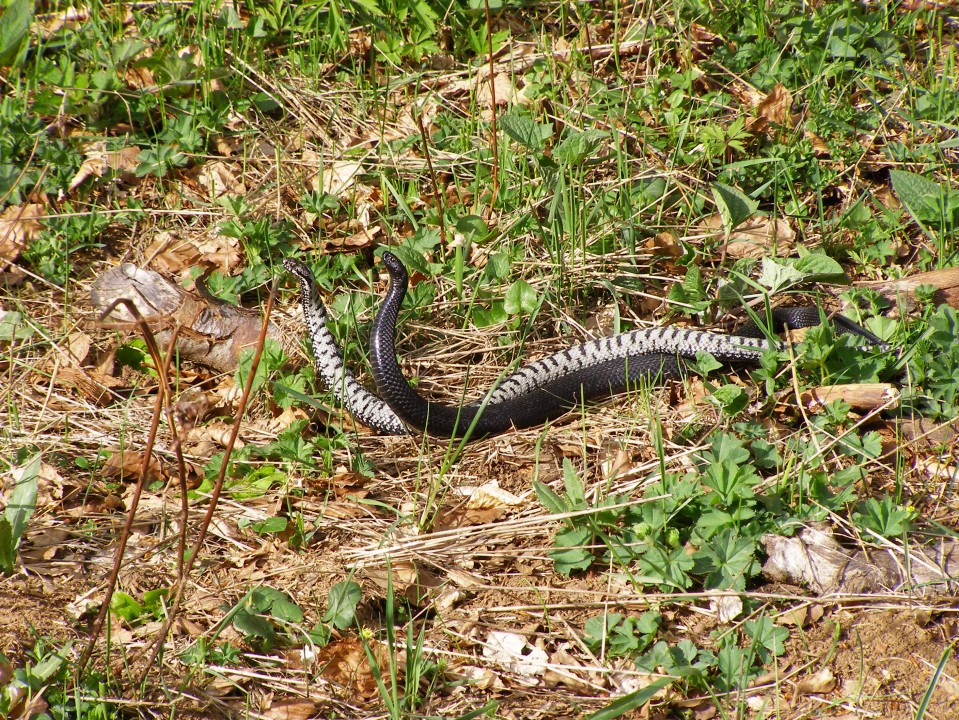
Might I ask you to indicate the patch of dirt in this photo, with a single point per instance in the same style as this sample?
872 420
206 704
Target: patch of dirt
33 607
883 662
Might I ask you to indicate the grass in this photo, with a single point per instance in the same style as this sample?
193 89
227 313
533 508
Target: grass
649 164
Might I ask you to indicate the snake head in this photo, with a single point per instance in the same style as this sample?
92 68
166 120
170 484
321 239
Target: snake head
299 269
396 269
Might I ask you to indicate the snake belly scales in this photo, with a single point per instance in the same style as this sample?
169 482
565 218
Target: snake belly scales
535 393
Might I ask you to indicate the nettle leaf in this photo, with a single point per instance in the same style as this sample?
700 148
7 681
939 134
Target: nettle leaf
521 128
341 604
705 363
926 200
735 207
777 274
578 146
14 26
255 626
690 294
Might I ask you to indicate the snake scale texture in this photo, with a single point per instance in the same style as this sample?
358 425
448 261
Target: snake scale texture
537 392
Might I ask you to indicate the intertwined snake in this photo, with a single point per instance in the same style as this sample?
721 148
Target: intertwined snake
540 391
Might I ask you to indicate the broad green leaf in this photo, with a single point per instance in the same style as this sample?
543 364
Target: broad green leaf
14 26
12 327
731 399
126 607
23 498
573 485
8 548
286 610
550 500
705 363
524 130
578 147
255 626
776 276
927 201
341 604
817 267
520 298
270 525
915 192
733 204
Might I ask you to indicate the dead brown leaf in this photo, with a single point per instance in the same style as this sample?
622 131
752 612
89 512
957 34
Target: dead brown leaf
757 237
338 177
95 386
217 179
171 254
802 616
774 108
291 710
366 237
345 663
101 162
128 464
482 505
19 224
502 93
822 681
407 578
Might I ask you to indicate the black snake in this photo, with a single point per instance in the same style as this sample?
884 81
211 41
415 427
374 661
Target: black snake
533 394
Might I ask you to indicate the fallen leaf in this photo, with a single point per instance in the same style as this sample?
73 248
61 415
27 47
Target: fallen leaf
758 237
128 464
362 239
101 162
726 608
337 177
19 225
290 710
775 107
171 254
822 681
217 179
345 663
512 651
802 616
503 92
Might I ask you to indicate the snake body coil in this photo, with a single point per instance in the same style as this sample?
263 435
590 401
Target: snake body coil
540 391
328 358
